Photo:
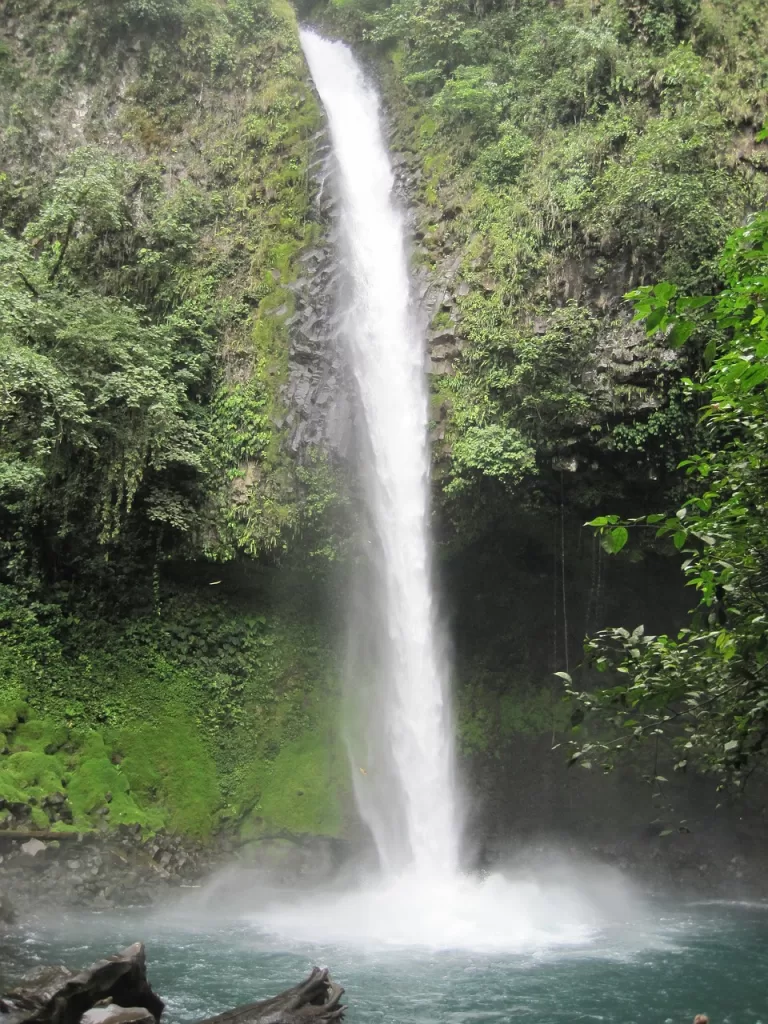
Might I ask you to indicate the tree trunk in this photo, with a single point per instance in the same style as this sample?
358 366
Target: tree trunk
316 1000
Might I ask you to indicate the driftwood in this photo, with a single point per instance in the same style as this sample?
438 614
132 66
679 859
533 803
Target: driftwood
116 991
57 995
316 1000
15 834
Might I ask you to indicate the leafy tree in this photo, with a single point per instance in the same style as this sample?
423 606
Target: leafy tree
97 403
705 689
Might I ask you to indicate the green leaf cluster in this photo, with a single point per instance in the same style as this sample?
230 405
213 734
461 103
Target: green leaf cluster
705 690
565 154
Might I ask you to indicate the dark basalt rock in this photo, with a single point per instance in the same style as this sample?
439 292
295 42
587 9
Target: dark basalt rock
57 995
318 392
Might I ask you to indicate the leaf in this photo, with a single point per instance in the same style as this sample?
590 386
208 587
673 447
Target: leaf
731 745
664 291
617 538
679 539
654 321
694 302
680 333
667 832
565 676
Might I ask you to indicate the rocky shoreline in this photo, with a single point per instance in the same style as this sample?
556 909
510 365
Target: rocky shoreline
124 868
99 872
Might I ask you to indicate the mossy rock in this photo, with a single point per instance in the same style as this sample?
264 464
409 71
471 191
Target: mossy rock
299 790
30 775
39 734
11 713
172 774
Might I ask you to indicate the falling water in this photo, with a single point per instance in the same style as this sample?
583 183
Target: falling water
400 729
401 749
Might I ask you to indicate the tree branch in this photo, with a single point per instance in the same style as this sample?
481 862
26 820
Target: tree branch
28 284
62 251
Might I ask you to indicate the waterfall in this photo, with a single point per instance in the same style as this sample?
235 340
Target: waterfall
401 733
399 723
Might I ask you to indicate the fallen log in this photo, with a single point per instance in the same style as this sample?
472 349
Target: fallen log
14 835
317 999
116 991
58 995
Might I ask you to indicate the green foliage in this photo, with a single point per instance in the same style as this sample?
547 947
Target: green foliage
203 715
493 451
569 153
502 162
471 100
146 287
96 399
707 688
660 22
489 719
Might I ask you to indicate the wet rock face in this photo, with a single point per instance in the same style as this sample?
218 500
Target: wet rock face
437 287
318 392
123 869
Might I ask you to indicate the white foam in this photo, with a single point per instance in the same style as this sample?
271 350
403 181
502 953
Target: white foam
528 913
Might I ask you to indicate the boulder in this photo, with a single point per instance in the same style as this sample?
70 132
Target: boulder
32 847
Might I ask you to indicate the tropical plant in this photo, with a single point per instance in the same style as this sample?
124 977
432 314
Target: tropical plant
706 688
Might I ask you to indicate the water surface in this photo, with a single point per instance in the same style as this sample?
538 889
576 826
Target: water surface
709 958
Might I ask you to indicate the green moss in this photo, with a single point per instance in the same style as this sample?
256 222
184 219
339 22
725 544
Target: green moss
39 734
171 773
12 712
490 718
299 790
93 780
39 818
532 710
30 774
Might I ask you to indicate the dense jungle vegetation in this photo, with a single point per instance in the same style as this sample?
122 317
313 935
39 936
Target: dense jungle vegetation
564 153
706 690
155 198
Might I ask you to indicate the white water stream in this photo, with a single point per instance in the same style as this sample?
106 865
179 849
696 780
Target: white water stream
402 738
400 735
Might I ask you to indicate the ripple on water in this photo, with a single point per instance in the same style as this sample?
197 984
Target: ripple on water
711 958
